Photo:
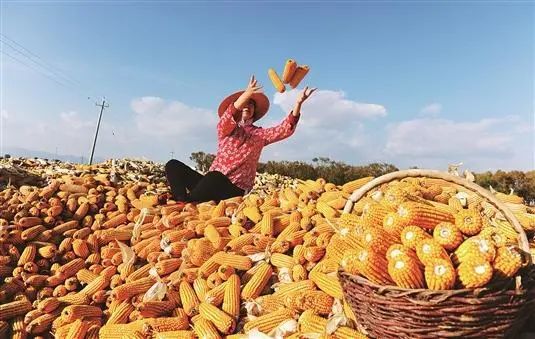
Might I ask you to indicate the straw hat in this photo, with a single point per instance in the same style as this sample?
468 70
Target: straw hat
260 99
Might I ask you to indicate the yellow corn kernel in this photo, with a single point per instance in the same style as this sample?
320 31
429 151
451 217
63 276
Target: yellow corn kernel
189 299
428 249
258 282
231 300
448 235
222 321
475 247
406 272
368 263
474 272
269 321
239 262
206 329
411 235
469 221
507 262
423 215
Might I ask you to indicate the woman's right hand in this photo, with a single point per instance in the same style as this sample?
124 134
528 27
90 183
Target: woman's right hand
253 86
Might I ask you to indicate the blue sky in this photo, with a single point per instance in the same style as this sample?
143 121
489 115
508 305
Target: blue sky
409 83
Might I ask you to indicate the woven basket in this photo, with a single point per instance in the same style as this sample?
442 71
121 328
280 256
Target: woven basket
498 310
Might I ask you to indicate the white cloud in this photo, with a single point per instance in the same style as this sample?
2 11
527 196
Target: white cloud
431 110
4 115
485 143
158 117
330 125
329 108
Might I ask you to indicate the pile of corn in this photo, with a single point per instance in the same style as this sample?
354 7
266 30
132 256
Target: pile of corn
83 257
431 234
86 258
23 171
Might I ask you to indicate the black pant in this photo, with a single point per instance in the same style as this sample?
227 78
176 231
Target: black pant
213 185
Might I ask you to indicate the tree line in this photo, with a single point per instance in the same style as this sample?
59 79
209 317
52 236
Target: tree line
337 172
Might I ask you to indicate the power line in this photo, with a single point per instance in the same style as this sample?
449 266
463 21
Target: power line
35 69
51 68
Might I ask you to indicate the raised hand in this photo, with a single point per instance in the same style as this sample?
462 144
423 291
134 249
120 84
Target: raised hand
305 94
253 86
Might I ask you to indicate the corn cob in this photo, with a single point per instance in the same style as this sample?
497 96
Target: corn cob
237 261
120 314
216 295
73 312
281 260
428 249
41 323
423 215
448 235
166 323
48 305
507 262
268 322
475 247
312 323
289 70
72 267
75 299
406 272
117 331
397 250
154 309
224 272
92 332
189 299
474 272
377 239
299 75
314 253
394 224
240 241
327 284
27 255
231 300
205 329
181 334
276 81
469 221
201 288
133 288
317 301
14 308
286 289
222 321
326 210
373 215
369 263
77 329
412 235
98 284
258 282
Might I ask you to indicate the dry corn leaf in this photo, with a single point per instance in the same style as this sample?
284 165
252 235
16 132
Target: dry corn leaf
284 329
128 255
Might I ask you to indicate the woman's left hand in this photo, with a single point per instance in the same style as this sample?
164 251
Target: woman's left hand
305 94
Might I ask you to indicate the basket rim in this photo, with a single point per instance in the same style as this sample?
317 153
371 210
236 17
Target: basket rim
435 174
448 293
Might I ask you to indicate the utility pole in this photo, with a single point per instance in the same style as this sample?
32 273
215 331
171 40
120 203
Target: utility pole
102 106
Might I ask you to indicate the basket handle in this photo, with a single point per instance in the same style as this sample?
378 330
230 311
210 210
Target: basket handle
359 193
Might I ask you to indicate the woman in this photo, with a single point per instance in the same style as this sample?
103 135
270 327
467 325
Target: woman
239 146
